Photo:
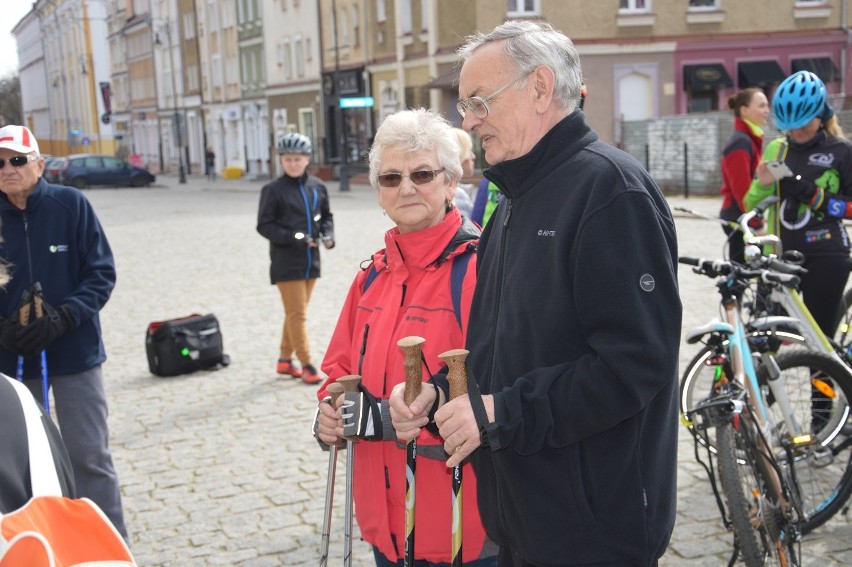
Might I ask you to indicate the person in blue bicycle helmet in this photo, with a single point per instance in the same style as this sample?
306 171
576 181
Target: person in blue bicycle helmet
818 194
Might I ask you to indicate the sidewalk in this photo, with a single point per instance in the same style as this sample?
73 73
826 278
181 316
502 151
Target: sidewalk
220 468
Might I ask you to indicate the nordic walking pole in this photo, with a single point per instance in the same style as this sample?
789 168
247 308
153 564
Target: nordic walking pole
350 384
457 377
411 350
334 389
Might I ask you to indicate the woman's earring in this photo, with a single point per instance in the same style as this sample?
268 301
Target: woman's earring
384 212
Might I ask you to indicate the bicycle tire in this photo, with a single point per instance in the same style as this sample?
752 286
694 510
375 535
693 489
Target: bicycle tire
843 323
756 520
820 474
697 380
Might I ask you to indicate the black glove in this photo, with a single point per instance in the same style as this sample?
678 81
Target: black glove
797 188
41 332
9 328
366 416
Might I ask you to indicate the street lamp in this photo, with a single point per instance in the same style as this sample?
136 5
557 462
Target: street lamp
344 160
176 117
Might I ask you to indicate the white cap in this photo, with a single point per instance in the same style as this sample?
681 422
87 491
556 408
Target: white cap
18 139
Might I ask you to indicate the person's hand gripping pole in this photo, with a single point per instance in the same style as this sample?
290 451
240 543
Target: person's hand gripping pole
411 350
350 384
334 390
457 377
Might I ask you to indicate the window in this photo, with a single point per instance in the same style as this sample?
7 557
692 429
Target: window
113 163
524 7
405 17
634 6
309 52
424 15
344 27
288 70
356 30
698 5
380 11
300 59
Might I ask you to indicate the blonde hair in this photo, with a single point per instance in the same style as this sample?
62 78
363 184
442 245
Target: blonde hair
465 143
832 126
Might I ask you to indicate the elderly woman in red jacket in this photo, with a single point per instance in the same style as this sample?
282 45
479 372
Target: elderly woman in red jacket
408 289
740 159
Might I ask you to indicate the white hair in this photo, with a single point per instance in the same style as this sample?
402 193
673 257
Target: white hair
415 130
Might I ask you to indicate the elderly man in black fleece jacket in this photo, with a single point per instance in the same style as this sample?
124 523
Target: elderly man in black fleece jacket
575 325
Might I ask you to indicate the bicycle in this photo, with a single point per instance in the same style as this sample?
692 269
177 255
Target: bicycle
796 438
796 327
765 453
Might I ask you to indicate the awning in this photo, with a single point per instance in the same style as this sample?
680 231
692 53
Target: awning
706 77
823 67
761 74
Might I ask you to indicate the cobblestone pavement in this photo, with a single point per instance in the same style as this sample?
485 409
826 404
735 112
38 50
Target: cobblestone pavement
220 468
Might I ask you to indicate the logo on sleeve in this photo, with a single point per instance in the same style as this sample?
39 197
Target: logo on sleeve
646 282
54 248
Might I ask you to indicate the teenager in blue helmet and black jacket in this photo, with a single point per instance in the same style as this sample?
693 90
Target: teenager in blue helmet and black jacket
818 194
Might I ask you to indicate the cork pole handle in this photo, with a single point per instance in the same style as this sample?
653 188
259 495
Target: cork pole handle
411 351
457 374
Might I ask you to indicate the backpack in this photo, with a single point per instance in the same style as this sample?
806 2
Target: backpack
457 273
51 530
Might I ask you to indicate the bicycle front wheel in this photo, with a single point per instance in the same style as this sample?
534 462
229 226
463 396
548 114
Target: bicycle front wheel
757 520
698 379
819 390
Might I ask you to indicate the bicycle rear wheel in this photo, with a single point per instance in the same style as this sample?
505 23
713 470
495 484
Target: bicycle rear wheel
698 379
843 324
819 389
757 520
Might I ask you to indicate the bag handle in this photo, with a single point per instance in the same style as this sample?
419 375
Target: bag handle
43 477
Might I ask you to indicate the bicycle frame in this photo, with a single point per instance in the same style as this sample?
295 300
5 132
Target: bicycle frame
799 317
751 410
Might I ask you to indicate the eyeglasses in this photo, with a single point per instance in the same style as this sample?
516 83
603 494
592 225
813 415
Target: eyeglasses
18 161
392 180
478 105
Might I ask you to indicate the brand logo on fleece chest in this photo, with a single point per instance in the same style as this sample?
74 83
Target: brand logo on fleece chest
821 160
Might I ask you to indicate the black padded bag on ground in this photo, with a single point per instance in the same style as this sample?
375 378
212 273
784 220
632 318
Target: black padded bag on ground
184 345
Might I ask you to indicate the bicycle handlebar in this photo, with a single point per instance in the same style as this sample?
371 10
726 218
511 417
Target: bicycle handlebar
717 268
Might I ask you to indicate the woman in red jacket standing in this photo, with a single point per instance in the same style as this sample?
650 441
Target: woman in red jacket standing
740 159
420 284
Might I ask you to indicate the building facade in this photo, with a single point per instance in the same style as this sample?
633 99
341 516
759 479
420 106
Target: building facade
234 75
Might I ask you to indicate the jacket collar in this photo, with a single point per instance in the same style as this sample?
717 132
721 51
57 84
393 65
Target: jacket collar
427 247
517 176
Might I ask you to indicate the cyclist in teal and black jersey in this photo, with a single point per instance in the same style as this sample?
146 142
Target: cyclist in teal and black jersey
816 196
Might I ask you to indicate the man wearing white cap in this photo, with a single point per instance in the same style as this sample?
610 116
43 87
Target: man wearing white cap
56 248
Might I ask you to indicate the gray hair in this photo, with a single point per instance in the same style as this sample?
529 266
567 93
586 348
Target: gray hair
530 44
416 130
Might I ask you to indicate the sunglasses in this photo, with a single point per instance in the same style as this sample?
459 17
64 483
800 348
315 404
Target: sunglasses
392 180
18 161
